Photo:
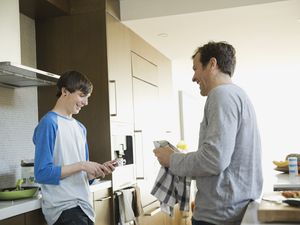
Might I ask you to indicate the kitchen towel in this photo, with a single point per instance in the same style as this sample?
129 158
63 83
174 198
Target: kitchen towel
137 204
170 189
126 214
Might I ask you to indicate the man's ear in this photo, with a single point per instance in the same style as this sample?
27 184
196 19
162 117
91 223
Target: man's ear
213 63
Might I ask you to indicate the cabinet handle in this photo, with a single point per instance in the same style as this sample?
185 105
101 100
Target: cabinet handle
112 88
103 199
139 152
153 212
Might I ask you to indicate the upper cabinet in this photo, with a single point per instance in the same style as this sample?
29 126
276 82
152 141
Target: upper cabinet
119 70
144 70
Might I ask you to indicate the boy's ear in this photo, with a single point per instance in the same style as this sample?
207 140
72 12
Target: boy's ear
64 91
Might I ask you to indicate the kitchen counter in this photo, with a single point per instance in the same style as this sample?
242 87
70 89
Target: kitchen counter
16 207
285 182
282 182
250 217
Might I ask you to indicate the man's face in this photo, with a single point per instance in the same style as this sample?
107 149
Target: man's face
201 75
75 101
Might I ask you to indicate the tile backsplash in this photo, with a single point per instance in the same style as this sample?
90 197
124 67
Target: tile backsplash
18 118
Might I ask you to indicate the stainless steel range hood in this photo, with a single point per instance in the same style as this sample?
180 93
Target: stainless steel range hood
15 75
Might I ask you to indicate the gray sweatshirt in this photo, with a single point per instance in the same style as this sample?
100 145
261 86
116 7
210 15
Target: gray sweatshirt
227 164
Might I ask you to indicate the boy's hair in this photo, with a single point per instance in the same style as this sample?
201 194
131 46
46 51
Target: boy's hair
222 51
74 81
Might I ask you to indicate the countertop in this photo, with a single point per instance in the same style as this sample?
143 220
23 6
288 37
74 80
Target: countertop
16 207
283 181
250 217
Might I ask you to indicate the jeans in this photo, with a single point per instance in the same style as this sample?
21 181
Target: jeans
73 216
199 222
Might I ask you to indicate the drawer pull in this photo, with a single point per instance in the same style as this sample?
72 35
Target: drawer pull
103 199
153 212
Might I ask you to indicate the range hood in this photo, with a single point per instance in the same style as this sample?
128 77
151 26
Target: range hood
15 75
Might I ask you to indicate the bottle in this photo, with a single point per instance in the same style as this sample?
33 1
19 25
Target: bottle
293 166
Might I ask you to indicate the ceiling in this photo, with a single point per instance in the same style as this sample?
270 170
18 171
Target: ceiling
176 28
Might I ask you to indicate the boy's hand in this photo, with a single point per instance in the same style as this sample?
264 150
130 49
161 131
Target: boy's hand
95 169
110 166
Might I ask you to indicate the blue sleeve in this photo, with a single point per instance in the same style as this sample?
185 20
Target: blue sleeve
44 136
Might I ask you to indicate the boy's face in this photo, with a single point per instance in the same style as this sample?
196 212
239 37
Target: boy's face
75 101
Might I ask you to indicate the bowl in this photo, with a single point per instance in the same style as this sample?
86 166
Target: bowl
13 194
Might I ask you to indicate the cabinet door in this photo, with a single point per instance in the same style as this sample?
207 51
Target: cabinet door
159 218
119 71
103 207
146 126
153 215
35 217
103 211
179 217
15 220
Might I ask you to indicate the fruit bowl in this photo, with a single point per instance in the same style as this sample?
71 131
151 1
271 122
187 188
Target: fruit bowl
13 194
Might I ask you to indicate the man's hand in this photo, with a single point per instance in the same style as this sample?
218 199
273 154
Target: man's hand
163 155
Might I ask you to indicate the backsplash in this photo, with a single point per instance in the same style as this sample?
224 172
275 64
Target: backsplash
18 113
18 118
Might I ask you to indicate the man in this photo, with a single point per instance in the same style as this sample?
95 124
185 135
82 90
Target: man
61 163
227 164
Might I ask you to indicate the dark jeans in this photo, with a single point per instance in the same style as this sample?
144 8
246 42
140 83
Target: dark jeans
199 222
73 216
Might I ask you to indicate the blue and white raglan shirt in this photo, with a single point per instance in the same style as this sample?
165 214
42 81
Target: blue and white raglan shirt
61 141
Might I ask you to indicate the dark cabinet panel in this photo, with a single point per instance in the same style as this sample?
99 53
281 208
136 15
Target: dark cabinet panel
35 217
78 42
15 220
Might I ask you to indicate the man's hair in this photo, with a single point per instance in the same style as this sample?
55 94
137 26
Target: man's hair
222 51
74 81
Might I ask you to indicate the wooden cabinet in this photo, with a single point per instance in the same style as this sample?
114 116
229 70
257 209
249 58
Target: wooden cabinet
179 218
146 128
102 202
153 215
157 217
119 71
34 217
15 220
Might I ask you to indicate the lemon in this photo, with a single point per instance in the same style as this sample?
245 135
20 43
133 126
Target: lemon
182 145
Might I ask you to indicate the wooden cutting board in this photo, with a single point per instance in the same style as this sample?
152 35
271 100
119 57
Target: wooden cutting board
277 212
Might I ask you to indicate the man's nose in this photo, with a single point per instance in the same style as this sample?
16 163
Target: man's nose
194 79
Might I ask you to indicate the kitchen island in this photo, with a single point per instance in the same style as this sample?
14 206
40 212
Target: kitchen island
250 217
282 182
16 207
